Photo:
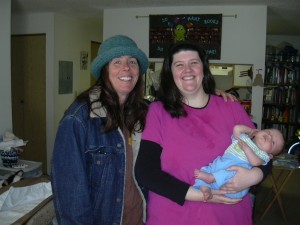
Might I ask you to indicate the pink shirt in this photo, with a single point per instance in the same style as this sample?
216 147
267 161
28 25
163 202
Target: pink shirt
189 143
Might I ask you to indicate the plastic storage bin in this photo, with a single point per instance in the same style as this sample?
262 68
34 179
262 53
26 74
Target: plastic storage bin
33 169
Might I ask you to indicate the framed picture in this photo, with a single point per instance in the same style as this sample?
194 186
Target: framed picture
242 76
84 56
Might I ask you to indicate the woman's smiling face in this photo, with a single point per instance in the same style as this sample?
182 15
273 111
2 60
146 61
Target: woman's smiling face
187 69
123 75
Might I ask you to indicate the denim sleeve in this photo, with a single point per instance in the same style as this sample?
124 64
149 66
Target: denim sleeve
69 179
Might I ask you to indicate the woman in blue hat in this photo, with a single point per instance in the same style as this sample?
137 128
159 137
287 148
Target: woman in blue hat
98 139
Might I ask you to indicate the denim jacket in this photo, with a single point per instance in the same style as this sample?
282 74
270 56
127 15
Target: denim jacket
88 169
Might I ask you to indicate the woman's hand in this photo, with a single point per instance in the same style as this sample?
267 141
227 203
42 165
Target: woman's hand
217 196
244 178
226 95
224 200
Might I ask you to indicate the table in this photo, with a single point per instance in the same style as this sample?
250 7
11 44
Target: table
285 173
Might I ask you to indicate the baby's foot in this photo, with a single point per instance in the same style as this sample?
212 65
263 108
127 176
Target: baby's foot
206 177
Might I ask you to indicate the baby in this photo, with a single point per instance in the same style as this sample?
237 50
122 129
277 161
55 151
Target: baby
250 147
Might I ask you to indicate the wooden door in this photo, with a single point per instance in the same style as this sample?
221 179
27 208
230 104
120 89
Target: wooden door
28 74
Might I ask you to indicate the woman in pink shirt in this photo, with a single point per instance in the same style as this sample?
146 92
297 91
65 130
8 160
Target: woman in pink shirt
188 127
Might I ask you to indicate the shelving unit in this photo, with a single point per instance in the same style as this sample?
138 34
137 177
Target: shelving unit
281 100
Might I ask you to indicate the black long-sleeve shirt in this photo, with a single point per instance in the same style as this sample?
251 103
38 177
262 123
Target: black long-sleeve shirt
149 174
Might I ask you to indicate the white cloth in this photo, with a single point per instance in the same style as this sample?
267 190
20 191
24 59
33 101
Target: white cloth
18 201
7 145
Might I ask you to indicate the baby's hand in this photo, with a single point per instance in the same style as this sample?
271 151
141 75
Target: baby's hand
243 145
253 133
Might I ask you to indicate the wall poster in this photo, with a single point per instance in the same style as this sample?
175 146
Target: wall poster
205 29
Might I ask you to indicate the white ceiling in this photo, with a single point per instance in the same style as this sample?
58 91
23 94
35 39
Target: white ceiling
283 15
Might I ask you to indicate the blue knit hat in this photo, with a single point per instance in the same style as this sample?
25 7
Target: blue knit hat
114 47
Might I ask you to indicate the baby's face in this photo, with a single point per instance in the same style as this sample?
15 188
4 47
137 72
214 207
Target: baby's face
269 140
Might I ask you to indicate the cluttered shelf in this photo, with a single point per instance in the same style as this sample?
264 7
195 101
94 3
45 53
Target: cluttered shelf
13 169
281 109
25 193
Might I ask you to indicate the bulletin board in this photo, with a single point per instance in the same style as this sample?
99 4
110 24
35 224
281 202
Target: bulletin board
204 29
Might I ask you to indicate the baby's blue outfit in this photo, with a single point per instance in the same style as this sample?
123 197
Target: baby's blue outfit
233 156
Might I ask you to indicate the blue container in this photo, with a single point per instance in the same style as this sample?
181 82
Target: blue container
10 158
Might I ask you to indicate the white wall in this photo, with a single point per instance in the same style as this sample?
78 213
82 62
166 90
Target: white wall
243 38
5 80
71 37
65 38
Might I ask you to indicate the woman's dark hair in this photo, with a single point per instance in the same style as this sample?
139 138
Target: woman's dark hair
132 114
168 92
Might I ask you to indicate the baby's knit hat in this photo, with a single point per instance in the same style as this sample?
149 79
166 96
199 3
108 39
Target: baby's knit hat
114 47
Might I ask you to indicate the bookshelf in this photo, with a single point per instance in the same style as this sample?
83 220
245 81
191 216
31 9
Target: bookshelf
281 99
